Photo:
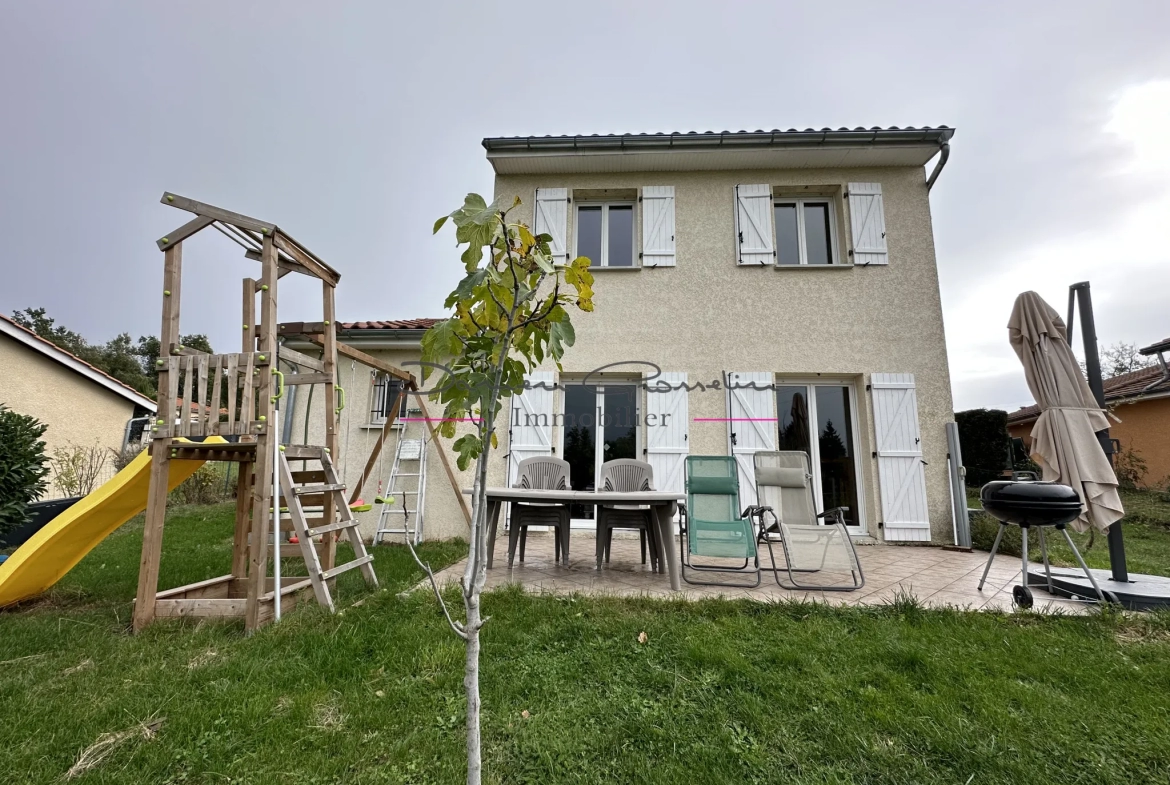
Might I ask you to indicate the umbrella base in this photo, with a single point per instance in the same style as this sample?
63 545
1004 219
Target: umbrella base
1142 593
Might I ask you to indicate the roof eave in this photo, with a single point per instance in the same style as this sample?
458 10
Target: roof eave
755 140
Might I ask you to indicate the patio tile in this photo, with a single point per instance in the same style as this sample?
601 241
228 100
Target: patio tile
931 574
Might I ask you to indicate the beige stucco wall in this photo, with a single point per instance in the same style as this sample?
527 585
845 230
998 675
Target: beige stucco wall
443 518
77 410
707 315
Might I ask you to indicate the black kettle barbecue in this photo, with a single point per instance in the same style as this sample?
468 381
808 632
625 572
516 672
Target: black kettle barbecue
1027 503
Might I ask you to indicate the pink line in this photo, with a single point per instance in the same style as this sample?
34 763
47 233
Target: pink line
438 419
734 419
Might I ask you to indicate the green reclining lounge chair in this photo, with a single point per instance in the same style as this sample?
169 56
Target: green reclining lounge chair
712 524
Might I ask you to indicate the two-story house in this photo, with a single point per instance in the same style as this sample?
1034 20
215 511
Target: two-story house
754 291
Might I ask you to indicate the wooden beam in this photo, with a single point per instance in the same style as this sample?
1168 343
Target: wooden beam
308 378
332 436
197 224
306 259
438 442
366 359
218 214
301 328
264 465
285 264
391 418
304 360
156 495
187 350
218 607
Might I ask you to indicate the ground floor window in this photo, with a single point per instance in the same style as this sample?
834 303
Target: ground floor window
384 393
599 424
819 419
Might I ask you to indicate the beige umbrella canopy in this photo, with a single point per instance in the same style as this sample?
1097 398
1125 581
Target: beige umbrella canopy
1064 441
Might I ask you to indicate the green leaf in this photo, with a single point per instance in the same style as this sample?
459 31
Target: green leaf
439 224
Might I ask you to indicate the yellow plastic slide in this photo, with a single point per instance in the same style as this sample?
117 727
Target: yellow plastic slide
54 550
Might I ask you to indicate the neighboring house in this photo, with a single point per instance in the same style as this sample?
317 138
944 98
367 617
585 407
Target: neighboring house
785 285
81 404
1141 400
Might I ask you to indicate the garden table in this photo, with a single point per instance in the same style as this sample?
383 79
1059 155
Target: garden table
663 503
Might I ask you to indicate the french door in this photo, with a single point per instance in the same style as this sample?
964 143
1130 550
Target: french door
820 419
600 424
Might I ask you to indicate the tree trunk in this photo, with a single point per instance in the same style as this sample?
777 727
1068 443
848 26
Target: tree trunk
471 687
473 582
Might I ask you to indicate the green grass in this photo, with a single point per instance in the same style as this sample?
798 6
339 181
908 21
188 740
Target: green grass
1146 526
721 692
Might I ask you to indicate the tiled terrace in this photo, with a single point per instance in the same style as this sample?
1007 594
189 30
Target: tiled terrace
936 576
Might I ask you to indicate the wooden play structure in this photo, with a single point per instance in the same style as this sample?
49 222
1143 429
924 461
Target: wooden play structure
222 407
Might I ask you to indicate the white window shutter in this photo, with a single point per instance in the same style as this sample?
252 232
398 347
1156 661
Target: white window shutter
552 218
751 425
666 439
867 216
658 226
899 454
753 224
530 420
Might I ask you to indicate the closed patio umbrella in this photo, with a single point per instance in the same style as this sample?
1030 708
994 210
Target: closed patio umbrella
1064 441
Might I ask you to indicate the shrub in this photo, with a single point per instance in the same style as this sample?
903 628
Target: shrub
77 468
122 458
22 466
208 485
1130 467
983 438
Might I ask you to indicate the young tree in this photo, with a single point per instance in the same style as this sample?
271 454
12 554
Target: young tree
511 312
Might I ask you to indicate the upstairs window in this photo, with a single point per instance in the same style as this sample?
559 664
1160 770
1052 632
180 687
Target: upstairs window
605 233
806 231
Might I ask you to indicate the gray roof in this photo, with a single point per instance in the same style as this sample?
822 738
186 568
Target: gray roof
715 150
707 139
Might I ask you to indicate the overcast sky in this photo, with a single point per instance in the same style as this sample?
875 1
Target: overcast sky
356 124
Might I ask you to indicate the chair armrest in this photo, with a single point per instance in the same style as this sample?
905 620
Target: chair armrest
837 514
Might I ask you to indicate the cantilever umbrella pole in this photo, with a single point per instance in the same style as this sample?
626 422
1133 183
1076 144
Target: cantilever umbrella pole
1079 295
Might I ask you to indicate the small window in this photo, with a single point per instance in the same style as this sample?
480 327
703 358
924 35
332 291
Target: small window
383 395
806 231
605 233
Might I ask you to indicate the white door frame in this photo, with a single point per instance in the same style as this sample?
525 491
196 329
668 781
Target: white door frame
599 413
815 443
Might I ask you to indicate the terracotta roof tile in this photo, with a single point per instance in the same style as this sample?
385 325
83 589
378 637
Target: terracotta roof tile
1117 388
392 324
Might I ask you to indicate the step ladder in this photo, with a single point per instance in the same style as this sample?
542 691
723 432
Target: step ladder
322 489
407 483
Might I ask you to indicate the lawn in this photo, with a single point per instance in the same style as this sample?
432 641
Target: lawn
1146 526
722 692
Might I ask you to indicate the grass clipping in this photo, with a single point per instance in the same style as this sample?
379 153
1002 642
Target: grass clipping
93 755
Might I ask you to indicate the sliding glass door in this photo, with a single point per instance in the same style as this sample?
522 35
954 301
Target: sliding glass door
600 424
819 419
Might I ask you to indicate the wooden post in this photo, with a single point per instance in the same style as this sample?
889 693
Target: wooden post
243 520
156 499
244 480
332 439
263 466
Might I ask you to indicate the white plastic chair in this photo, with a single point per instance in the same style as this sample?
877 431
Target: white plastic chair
625 475
543 473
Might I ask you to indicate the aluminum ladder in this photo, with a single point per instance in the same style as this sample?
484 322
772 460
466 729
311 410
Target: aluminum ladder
407 484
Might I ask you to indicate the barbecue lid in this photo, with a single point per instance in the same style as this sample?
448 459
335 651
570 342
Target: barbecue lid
1035 495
